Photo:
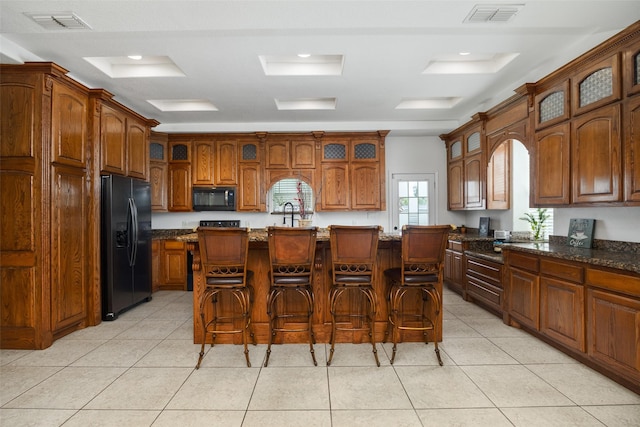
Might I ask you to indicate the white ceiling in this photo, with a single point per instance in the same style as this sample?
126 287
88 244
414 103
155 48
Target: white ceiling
386 46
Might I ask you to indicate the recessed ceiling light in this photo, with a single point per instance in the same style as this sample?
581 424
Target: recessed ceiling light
306 104
471 64
428 103
124 67
304 55
135 57
182 104
464 53
294 65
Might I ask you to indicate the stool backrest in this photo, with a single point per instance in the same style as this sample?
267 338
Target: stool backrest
224 251
354 249
292 251
423 249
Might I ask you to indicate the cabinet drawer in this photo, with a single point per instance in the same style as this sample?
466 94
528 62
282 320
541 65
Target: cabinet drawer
456 246
526 262
174 244
562 270
614 281
487 291
486 270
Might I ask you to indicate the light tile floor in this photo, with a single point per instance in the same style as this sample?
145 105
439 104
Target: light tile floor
139 371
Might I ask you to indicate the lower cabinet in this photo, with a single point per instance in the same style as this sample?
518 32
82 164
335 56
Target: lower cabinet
484 282
169 265
613 321
454 266
592 313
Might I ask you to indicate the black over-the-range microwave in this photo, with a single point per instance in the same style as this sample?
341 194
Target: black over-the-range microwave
214 199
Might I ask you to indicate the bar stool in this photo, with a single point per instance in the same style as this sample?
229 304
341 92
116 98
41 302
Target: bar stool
227 280
423 251
354 250
292 252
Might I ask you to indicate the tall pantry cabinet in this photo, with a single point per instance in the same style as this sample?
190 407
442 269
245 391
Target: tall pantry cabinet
56 137
48 204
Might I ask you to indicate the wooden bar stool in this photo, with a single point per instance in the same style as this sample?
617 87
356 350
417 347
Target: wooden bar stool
354 251
227 280
420 275
292 252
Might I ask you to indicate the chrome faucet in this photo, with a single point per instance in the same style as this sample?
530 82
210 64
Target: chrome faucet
284 213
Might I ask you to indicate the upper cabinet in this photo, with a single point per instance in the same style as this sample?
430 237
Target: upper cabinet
466 168
580 126
159 171
351 173
179 178
123 136
202 167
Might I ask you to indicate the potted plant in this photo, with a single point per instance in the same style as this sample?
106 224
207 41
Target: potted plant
536 221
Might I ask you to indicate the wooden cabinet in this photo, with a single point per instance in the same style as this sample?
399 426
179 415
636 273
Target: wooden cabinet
466 168
523 288
113 139
159 172
592 313
350 176
562 315
226 162
596 85
284 152
613 321
123 136
250 188
49 196
632 151
169 265
499 177
596 156
454 267
137 149
202 167
551 163
179 179
484 282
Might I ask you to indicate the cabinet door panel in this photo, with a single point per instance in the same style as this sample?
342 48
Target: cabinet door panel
180 187
334 186
159 183
226 161
632 151
596 158
455 181
499 177
113 133
551 166
614 331
524 297
303 154
365 186
137 150
250 198
68 247
473 182
562 316
277 154
203 163
69 126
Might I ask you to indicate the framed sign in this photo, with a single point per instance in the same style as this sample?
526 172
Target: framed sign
483 228
581 232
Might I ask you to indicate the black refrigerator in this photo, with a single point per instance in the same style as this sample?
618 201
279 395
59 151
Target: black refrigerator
125 244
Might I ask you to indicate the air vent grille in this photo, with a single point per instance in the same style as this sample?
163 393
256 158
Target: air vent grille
491 13
59 21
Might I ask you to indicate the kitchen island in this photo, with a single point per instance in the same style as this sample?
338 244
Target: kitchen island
389 252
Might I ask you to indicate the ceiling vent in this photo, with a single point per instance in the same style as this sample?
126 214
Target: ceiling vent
59 21
482 13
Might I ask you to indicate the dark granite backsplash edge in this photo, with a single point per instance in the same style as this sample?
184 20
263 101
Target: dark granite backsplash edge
607 245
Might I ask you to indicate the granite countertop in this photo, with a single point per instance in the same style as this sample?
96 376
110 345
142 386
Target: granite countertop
255 235
628 261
